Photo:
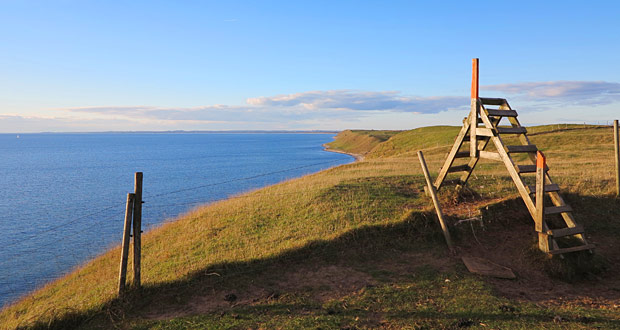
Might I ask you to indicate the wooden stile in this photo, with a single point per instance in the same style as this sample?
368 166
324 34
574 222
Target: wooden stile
479 137
122 273
433 193
137 228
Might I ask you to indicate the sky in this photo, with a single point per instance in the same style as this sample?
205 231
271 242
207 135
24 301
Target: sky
83 66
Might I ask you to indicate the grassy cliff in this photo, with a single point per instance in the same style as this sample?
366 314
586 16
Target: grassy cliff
358 246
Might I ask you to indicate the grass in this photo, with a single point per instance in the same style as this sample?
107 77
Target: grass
355 246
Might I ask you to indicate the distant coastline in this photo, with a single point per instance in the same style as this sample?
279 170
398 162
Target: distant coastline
357 157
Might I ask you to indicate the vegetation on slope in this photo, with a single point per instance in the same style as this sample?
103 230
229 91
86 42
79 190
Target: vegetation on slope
358 246
359 142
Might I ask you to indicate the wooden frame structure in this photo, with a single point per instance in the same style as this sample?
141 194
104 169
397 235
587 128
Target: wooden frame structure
482 127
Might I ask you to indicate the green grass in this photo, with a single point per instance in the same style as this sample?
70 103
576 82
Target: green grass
356 246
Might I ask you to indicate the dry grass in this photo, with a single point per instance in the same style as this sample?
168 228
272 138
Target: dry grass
268 222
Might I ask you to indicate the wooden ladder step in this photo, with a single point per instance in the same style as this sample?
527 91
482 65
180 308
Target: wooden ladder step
525 148
490 155
492 101
548 188
526 168
511 130
459 168
462 154
566 231
501 113
573 249
557 209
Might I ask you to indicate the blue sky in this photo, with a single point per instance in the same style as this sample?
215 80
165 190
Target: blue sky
155 65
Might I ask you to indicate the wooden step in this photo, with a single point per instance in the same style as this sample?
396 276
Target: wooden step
492 101
501 113
462 154
511 130
557 209
526 168
566 231
548 188
573 249
459 168
524 148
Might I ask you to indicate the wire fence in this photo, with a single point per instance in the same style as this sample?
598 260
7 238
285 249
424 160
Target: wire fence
23 273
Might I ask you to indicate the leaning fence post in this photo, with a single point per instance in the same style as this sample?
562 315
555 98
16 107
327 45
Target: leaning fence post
122 273
431 190
137 228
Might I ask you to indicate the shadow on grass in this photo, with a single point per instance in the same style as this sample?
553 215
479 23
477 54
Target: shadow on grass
418 230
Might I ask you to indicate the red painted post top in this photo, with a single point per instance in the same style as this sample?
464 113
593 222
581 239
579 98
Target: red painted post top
474 78
541 160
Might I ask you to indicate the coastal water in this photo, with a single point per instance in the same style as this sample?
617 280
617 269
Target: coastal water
62 196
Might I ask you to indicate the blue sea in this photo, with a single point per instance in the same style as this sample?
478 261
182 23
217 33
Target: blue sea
62 196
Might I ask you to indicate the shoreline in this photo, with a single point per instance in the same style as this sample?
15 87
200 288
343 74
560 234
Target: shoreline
357 157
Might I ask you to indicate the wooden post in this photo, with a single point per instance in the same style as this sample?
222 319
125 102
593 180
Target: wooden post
122 273
431 190
543 238
617 151
137 228
473 141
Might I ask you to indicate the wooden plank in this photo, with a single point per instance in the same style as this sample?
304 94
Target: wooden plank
501 113
484 132
511 130
474 78
565 231
492 101
548 188
539 220
617 157
482 144
473 141
137 228
459 168
458 142
490 155
526 168
432 191
516 149
122 272
557 209
573 249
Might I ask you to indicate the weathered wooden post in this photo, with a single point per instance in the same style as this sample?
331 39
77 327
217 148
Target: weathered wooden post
432 192
122 273
137 228
617 153
473 142
543 237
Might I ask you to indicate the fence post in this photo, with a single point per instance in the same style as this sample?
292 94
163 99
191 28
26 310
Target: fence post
473 142
543 238
137 228
431 190
617 154
122 273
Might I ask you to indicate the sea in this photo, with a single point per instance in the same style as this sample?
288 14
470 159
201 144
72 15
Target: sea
62 196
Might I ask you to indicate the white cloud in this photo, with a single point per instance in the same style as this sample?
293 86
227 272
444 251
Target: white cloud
563 92
364 101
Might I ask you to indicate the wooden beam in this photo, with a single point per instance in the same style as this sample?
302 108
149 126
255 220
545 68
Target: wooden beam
458 142
540 193
617 154
433 194
122 272
474 78
137 229
490 155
